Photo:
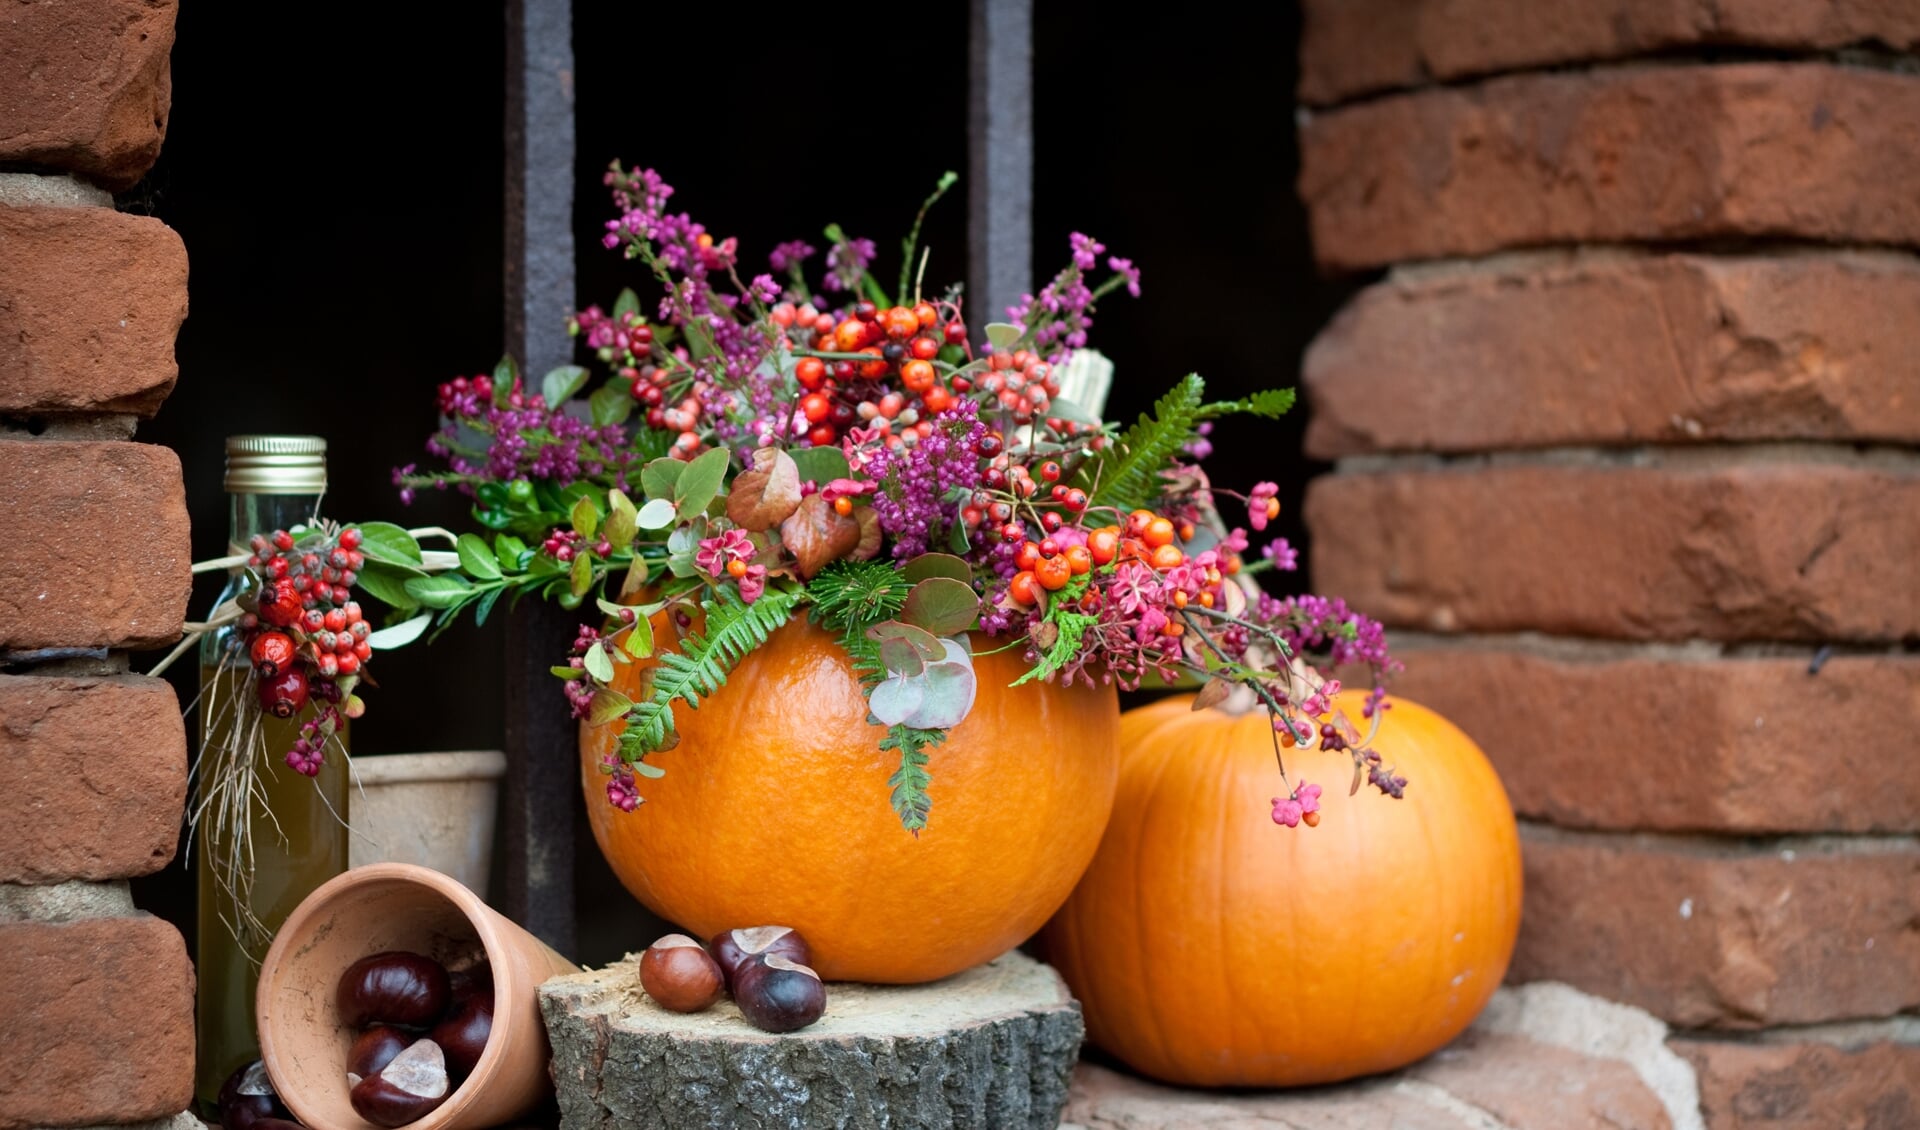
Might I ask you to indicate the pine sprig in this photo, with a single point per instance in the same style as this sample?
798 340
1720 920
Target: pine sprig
1126 474
700 668
863 593
849 597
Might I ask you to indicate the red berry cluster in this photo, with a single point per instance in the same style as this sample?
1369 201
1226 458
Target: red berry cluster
902 342
305 636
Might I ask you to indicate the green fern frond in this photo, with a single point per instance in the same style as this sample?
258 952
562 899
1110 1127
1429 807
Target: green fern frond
908 785
1073 629
1126 474
1270 403
699 669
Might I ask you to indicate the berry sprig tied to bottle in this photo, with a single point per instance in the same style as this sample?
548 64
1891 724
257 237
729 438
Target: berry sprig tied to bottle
824 445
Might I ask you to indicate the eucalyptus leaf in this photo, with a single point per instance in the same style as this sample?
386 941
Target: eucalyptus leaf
937 565
922 641
476 559
657 477
384 541
947 698
657 514
399 635
893 701
701 481
901 659
821 465
942 605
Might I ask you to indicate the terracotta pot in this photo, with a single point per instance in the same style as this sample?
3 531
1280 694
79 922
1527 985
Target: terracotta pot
398 906
433 809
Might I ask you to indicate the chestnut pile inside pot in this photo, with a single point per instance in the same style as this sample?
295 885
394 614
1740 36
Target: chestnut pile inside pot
765 967
422 1031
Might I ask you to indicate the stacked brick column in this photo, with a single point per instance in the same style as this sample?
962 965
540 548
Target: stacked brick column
1626 453
96 999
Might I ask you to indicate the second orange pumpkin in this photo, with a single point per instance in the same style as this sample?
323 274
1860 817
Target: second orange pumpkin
1210 947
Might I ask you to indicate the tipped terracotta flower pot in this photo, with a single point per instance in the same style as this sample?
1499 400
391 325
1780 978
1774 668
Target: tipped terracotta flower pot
398 906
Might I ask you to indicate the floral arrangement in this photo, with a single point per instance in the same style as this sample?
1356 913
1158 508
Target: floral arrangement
759 449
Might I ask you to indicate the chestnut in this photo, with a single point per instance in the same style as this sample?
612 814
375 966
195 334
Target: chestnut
680 975
403 989
463 983
373 1049
247 1097
778 995
463 1034
406 1089
733 947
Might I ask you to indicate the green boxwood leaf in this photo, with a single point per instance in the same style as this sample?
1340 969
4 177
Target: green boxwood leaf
821 464
585 517
507 550
645 770
568 673
561 383
384 541
608 706
476 559
638 641
443 591
387 584
399 635
1003 335
505 374
580 579
599 663
700 481
610 404
627 303
622 520
942 605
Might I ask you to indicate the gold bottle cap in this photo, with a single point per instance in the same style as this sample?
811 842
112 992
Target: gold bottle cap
276 465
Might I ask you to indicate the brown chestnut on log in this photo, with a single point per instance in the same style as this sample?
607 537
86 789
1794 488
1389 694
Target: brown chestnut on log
778 995
405 1090
681 976
463 1034
403 989
733 947
247 1097
374 1048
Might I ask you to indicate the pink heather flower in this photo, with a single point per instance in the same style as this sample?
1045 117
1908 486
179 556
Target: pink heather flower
1284 557
764 288
790 254
1086 250
1263 505
1289 810
1126 268
715 552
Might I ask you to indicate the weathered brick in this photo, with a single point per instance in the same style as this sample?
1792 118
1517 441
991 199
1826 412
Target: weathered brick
1805 1086
1538 350
1802 150
89 86
93 777
93 545
90 303
1724 933
1721 745
98 1023
1754 550
1350 47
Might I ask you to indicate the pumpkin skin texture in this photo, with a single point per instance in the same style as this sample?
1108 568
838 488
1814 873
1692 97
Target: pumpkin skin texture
1211 947
774 811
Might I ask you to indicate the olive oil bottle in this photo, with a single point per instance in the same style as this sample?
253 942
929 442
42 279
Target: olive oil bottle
265 835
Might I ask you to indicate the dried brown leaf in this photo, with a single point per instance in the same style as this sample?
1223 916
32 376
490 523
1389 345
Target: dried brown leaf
765 494
816 535
870 534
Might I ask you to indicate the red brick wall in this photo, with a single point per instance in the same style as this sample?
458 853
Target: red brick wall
1625 451
96 999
